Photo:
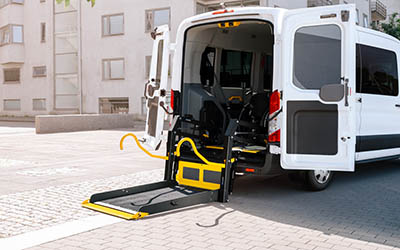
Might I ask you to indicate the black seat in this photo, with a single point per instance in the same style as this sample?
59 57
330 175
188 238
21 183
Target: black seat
259 105
213 119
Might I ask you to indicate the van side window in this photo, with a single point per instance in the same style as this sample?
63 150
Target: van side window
377 71
235 68
207 68
317 56
268 70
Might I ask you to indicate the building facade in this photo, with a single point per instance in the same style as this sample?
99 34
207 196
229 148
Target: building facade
78 59
393 6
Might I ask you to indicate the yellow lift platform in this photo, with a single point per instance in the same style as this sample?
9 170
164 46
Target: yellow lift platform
186 183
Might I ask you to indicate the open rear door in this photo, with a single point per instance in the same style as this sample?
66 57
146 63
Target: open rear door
318 129
156 88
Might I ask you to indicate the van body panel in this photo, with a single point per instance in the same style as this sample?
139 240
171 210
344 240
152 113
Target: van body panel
378 134
317 134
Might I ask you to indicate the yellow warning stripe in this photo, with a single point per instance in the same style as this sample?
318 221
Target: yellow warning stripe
215 147
115 212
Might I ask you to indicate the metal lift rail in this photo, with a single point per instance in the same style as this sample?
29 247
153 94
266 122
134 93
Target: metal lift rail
186 183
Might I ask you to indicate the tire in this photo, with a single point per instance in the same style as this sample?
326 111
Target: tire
318 180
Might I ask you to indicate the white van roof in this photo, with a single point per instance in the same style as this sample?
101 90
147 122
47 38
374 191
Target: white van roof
235 12
377 33
276 13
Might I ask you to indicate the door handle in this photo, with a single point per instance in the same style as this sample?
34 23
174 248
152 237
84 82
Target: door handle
346 91
397 105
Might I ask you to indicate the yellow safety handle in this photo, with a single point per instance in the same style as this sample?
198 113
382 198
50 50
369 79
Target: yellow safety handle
187 139
235 97
121 146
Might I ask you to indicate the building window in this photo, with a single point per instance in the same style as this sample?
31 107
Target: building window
118 105
157 17
376 71
114 69
12 75
17 33
43 32
357 17
12 105
201 8
365 21
11 34
39 104
7 2
40 71
113 25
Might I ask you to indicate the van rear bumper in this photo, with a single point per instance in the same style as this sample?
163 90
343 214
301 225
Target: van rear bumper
272 166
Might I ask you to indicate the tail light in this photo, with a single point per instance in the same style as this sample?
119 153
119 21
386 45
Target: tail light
222 12
274 102
274 134
172 100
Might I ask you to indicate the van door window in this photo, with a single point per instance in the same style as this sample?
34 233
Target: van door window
235 68
267 68
207 68
317 56
377 71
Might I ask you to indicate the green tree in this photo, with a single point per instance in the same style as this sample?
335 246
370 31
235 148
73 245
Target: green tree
392 27
66 2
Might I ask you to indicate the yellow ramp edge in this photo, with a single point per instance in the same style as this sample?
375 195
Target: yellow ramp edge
114 212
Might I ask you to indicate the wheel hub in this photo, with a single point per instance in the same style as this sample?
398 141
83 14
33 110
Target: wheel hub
322 176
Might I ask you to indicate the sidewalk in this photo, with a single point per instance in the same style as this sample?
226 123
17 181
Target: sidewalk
267 214
44 178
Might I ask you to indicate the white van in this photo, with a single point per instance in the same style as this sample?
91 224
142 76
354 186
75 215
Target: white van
263 91
305 90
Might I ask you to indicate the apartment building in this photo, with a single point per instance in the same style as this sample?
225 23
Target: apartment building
25 57
392 6
78 59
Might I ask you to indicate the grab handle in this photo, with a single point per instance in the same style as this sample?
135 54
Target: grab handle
121 146
187 139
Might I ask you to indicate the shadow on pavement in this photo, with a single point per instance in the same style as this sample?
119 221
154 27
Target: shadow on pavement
364 205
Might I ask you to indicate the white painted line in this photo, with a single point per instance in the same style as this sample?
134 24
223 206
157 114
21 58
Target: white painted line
53 233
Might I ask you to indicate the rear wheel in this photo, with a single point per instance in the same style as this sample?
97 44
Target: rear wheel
315 180
318 180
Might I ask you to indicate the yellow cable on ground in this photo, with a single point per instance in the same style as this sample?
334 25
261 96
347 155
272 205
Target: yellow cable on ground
121 146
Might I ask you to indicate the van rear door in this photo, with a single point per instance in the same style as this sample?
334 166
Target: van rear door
156 88
318 128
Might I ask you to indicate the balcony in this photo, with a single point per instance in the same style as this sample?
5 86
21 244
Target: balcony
12 53
378 11
316 3
11 13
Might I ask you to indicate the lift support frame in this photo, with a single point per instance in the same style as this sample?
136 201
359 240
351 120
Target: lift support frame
140 201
